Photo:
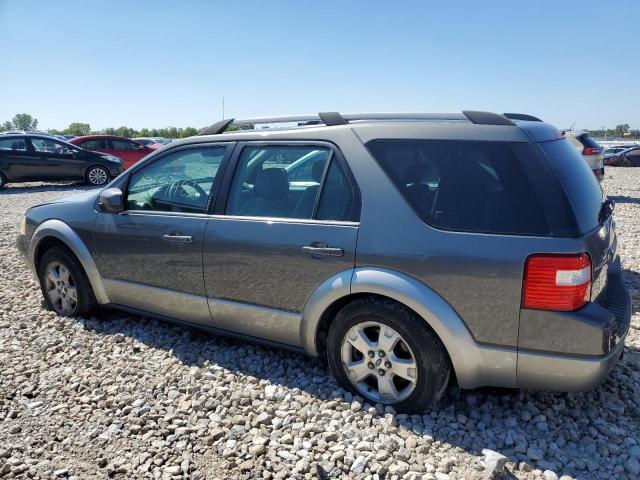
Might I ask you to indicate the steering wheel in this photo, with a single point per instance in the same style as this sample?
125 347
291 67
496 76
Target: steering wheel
177 190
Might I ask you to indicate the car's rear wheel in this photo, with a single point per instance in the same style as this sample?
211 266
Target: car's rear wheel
97 175
3 181
385 353
64 284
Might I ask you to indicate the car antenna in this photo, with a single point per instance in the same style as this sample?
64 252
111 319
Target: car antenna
571 127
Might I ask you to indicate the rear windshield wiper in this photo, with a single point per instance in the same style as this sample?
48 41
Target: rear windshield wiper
606 209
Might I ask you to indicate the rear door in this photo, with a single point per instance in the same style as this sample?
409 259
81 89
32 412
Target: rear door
273 242
17 159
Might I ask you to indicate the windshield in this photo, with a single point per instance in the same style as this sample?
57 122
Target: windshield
581 185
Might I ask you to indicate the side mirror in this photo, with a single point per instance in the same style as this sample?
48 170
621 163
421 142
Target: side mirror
111 200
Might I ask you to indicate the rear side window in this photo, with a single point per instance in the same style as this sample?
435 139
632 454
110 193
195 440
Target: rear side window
578 181
466 186
588 142
17 144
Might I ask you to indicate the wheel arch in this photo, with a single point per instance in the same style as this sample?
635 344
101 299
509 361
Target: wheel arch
55 232
467 358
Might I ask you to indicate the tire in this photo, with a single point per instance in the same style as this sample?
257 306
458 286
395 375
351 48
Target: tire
59 297
414 344
97 175
3 181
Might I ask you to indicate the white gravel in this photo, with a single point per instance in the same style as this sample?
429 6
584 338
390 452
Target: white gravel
127 397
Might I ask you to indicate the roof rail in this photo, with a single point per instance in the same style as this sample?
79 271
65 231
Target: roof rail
522 116
335 118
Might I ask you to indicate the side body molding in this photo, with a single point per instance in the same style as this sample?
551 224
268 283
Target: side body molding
64 233
475 364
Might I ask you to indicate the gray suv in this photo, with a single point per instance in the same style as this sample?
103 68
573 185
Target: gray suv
409 250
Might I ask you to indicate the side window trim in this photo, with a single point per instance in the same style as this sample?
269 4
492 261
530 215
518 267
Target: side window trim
213 199
229 173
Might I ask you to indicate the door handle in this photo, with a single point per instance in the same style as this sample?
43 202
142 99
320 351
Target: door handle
178 238
323 250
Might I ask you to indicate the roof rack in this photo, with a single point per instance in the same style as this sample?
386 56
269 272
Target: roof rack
335 118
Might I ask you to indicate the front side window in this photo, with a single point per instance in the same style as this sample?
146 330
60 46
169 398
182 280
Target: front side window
94 144
124 145
182 181
467 186
45 145
17 144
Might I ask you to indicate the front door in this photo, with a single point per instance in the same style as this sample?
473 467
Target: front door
57 160
274 243
151 254
129 152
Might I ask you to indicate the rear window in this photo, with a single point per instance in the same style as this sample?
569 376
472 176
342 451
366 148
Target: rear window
467 186
588 142
578 181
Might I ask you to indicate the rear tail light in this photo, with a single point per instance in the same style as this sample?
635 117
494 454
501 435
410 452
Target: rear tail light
556 282
592 151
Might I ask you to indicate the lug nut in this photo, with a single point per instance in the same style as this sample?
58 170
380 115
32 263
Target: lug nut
371 353
371 365
387 364
381 353
381 372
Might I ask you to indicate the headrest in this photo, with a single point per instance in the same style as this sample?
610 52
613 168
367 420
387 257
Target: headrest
271 183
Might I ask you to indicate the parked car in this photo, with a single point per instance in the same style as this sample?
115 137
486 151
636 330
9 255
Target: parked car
129 151
590 150
26 158
146 141
423 247
629 157
612 151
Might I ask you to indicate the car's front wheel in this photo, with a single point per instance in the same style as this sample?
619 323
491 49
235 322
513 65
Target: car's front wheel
97 175
64 284
385 353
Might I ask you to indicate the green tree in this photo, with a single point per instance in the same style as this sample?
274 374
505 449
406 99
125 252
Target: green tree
621 129
6 126
189 132
77 129
125 132
24 121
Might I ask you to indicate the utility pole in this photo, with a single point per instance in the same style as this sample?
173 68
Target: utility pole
222 108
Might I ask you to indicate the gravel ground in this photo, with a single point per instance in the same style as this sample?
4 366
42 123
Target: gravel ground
128 397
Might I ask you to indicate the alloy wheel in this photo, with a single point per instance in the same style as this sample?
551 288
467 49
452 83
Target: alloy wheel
98 176
379 362
61 289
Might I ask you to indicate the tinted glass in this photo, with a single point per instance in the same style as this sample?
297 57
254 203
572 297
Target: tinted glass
578 180
124 145
463 185
13 144
264 185
588 142
634 153
337 201
179 182
94 144
51 146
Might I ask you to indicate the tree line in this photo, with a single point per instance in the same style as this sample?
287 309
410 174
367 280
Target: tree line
24 121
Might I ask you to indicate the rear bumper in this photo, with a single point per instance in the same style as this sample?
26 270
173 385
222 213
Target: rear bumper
565 373
593 342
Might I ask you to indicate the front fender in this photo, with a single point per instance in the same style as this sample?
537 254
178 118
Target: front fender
63 232
474 364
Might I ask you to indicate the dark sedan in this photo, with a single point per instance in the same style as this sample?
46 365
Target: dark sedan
626 158
27 158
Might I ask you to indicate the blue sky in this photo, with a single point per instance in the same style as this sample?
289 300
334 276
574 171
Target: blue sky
162 63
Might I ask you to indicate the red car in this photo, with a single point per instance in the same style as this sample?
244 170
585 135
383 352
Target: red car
127 150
